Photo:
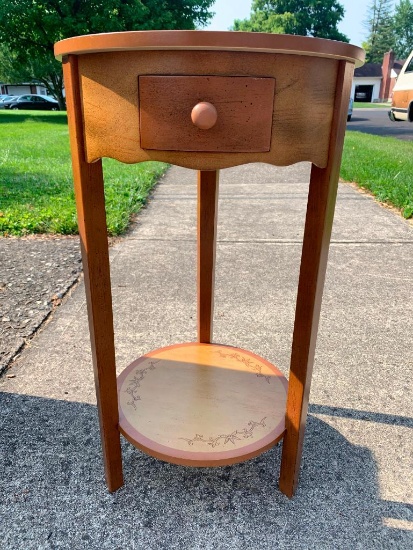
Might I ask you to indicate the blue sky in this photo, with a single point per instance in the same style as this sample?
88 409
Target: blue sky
352 24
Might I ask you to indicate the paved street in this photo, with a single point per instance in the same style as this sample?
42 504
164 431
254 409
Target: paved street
377 122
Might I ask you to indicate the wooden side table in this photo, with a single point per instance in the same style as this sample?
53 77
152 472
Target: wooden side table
205 100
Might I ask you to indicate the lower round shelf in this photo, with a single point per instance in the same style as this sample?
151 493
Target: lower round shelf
202 404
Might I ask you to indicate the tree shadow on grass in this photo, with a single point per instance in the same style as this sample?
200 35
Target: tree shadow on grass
8 117
18 187
53 493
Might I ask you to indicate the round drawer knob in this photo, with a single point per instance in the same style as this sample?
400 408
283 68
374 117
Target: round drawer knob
204 115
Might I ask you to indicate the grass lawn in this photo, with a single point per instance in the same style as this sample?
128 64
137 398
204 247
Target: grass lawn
382 165
36 187
363 105
36 190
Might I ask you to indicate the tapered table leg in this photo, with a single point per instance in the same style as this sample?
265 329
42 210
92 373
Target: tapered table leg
318 225
207 228
90 202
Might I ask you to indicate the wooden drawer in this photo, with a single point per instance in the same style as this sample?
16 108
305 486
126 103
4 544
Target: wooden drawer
301 114
243 109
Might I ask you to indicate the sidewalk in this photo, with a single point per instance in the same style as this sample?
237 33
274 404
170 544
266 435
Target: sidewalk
356 485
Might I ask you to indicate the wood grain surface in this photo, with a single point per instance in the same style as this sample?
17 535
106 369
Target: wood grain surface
301 117
90 203
202 404
207 234
210 40
244 107
317 233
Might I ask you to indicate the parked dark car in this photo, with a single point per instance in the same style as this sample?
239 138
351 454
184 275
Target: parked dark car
33 102
4 98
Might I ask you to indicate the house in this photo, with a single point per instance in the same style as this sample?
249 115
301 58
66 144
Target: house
21 89
391 70
374 82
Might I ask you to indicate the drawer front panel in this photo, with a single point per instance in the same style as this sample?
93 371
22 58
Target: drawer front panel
244 109
301 118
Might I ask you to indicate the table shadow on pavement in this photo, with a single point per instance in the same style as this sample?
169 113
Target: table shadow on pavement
54 495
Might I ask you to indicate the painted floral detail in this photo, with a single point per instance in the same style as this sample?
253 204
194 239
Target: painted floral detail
249 363
223 439
135 383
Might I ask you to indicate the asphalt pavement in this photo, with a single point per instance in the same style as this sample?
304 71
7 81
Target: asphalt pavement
356 484
376 121
36 272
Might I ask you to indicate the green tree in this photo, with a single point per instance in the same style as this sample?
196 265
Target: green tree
29 29
379 24
43 68
304 17
403 29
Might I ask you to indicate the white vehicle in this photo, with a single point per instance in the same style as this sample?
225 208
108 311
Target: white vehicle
402 99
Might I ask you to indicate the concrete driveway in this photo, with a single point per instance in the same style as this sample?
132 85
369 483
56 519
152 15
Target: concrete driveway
377 122
356 487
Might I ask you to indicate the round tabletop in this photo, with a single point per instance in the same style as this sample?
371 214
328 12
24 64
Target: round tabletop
210 40
202 404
